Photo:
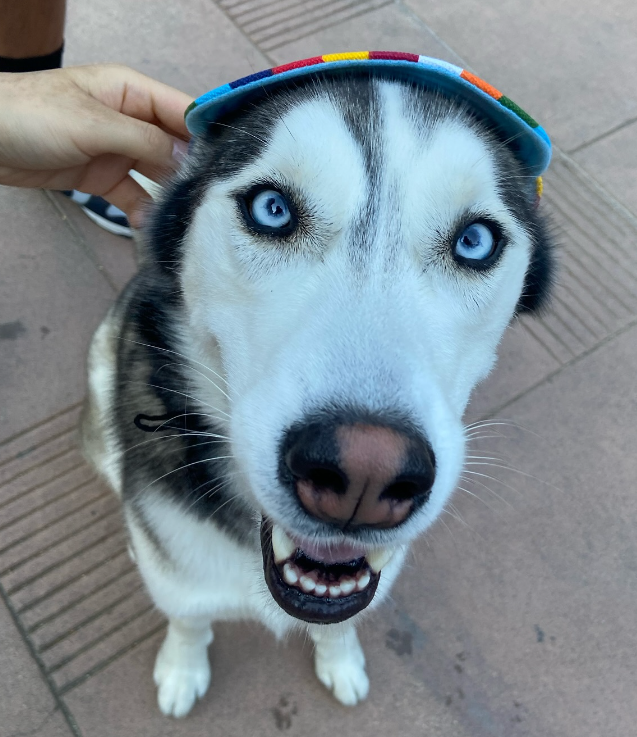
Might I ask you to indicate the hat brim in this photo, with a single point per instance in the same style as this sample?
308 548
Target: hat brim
525 136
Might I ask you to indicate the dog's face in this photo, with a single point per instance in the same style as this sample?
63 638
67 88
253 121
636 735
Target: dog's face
356 251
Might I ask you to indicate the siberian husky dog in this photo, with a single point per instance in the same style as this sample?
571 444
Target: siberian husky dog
277 395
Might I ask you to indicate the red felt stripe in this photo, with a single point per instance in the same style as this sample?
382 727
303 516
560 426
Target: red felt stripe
393 55
298 64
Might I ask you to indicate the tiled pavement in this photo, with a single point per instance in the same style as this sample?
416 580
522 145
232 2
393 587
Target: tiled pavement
517 616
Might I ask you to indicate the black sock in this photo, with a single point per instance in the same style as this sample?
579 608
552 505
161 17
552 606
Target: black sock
32 63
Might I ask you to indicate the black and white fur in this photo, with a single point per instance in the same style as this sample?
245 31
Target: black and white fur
224 339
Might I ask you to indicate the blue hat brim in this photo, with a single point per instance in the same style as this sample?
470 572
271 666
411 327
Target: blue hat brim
531 145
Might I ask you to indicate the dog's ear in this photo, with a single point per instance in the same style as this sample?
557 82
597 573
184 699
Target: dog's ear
540 276
168 223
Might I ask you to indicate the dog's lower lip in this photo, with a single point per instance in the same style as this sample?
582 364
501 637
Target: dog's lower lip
316 592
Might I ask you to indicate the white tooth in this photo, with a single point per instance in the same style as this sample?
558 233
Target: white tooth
307 584
320 589
289 574
378 559
363 581
335 591
282 546
347 585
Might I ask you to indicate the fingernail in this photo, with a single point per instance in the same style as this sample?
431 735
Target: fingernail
180 150
137 218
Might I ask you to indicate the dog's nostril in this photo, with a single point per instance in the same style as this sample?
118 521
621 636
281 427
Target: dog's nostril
322 475
404 490
326 479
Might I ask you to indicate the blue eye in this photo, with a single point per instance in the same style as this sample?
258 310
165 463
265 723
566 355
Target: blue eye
270 209
476 243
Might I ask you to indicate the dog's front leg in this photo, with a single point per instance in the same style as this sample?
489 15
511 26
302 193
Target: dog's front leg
339 662
182 669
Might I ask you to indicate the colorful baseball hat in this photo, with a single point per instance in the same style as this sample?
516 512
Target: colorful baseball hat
525 136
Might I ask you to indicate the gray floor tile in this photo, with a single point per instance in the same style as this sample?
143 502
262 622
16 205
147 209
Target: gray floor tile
261 689
390 28
190 44
570 64
613 163
114 254
278 22
52 298
27 706
544 584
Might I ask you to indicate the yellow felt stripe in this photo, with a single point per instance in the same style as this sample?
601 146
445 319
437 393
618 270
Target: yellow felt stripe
539 186
346 56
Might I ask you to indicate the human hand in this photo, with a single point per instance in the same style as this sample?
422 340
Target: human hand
85 127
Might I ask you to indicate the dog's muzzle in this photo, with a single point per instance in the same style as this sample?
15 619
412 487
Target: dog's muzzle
319 583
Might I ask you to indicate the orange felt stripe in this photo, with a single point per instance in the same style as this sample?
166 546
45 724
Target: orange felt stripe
481 84
346 56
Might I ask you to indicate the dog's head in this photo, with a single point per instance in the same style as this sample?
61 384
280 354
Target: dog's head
350 252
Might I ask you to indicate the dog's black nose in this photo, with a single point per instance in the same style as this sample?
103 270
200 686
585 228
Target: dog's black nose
358 473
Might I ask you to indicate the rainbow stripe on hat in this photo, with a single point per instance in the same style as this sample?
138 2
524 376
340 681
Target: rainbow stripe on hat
524 134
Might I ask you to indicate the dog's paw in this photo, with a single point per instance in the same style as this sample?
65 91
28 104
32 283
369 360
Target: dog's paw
182 676
345 677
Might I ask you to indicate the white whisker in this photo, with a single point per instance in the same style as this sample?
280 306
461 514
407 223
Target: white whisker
180 434
207 378
491 491
188 465
189 359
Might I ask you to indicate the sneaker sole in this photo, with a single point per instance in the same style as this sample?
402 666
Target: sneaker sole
108 225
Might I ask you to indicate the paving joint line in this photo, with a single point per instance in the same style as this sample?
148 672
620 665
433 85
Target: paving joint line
353 16
571 362
563 199
299 21
265 8
602 136
80 241
252 43
90 619
567 305
45 504
55 521
41 485
611 200
60 587
540 340
81 599
594 202
39 464
581 287
422 22
24 453
105 663
96 641
31 428
57 696
62 561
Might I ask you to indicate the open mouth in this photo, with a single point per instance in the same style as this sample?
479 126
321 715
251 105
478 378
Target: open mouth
319 584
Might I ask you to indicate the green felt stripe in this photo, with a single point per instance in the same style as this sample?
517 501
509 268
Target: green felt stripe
508 103
190 107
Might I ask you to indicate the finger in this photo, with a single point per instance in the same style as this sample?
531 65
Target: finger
134 94
166 105
116 133
131 198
